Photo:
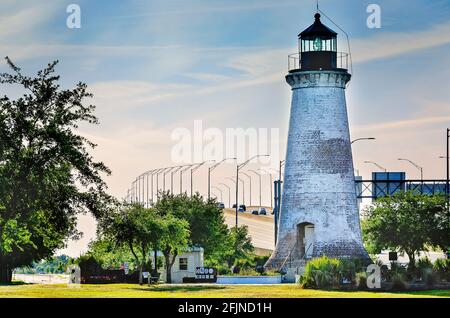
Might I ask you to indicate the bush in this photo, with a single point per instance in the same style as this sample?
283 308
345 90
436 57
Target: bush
322 272
429 277
398 281
442 268
423 268
361 280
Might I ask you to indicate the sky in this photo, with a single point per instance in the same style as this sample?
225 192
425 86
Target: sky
156 66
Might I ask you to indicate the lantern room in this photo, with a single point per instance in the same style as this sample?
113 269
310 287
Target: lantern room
318 47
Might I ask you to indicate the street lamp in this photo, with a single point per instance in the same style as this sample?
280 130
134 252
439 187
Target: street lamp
260 186
271 185
211 168
166 170
238 167
152 173
181 176
171 177
229 193
157 182
376 164
415 165
195 169
250 182
364 138
221 193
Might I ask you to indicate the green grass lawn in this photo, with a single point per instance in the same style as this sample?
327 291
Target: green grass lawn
196 291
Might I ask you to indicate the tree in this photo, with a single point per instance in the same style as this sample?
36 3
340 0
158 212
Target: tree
239 246
407 222
142 230
47 176
206 221
175 238
127 228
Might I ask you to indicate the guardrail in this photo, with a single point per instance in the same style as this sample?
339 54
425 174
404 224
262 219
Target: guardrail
295 61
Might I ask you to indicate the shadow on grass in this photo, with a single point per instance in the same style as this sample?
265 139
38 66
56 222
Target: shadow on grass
15 283
178 288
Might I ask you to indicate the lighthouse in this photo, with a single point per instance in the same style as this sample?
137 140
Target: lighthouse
319 213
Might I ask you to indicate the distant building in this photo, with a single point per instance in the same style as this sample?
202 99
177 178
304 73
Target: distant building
185 265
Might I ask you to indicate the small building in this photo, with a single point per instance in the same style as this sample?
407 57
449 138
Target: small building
185 265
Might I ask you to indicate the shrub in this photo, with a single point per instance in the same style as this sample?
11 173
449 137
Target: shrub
322 272
442 268
361 280
398 281
423 268
428 277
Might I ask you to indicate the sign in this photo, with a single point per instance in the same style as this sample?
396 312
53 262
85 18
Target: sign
393 256
206 274
126 267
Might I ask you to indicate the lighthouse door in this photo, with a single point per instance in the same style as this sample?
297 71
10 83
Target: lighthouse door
308 241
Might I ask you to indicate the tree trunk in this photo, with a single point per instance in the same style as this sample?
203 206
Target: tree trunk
155 270
168 269
5 274
137 261
412 262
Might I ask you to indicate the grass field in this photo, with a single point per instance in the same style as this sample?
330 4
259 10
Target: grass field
195 291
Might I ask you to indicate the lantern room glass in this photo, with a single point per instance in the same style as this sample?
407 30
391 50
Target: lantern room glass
318 44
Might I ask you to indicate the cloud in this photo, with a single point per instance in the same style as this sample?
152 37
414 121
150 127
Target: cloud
19 23
389 44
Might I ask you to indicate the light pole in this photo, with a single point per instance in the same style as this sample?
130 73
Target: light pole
147 188
153 172
171 177
271 185
195 169
157 182
221 193
238 167
181 176
364 138
166 170
211 168
250 183
415 165
260 186
229 193
243 191
376 164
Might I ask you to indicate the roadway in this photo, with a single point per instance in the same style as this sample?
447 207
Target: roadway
260 228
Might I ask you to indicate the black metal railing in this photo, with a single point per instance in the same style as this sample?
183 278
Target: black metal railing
295 61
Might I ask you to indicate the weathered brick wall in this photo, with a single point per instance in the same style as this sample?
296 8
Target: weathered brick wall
319 183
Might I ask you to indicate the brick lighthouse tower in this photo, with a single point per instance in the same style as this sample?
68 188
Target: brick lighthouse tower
319 213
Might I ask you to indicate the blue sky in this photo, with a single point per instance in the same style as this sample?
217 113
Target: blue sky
156 65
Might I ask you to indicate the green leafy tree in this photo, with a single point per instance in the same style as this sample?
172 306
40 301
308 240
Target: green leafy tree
143 230
237 250
174 239
47 176
112 255
206 221
407 222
